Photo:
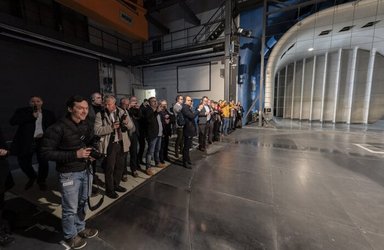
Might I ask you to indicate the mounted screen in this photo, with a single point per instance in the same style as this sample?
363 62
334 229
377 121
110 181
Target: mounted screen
194 77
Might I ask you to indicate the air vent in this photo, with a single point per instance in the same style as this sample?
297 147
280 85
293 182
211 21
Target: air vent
370 24
346 28
290 47
325 32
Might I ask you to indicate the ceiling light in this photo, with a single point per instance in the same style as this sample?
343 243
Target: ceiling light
310 49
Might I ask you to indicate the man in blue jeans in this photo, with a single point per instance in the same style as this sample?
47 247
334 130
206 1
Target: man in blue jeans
66 143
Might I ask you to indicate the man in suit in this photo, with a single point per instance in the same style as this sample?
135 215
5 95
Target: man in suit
32 122
204 123
189 130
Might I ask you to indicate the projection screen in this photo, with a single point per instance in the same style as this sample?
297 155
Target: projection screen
194 77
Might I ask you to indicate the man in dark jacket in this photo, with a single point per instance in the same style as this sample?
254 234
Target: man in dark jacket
167 131
6 182
66 142
189 130
153 135
135 113
32 122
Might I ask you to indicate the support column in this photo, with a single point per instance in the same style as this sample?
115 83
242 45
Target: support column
352 84
337 83
324 85
277 94
262 61
312 88
368 90
228 31
302 90
285 91
293 89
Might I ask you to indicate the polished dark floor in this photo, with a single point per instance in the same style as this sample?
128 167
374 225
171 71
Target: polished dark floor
292 187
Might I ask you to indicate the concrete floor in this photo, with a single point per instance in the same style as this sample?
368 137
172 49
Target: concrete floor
299 186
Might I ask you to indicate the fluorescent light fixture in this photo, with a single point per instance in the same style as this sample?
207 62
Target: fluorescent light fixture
182 54
311 49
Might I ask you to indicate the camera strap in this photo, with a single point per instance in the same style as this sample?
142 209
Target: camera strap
100 202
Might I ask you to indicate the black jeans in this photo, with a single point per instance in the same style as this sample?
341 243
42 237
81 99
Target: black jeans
202 135
25 162
134 160
179 143
164 149
141 146
187 146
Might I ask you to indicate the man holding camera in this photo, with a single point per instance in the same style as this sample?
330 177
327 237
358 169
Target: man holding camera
67 142
112 126
32 122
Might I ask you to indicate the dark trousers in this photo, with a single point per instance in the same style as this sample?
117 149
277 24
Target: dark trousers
164 149
187 146
25 162
141 146
179 143
114 166
202 135
125 164
216 130
209 131
134 160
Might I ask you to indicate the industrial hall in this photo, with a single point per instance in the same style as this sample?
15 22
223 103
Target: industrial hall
192 124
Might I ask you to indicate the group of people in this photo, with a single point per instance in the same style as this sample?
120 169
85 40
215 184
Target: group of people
213 119
101 131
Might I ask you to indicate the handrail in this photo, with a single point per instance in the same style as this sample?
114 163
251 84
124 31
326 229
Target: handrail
204 28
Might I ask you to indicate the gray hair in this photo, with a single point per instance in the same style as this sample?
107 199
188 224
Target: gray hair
109 97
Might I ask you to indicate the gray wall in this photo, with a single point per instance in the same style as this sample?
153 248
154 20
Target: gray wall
352 91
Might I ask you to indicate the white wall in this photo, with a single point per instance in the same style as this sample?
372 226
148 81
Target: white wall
164 80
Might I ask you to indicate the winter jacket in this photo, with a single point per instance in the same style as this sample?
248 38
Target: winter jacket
62 140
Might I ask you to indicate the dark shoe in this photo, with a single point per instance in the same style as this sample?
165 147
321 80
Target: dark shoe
43 186
187 166
124 178
112 194
189 162
89 233
120 189
29 183
135 174
5 239
76 242
95 192
176 155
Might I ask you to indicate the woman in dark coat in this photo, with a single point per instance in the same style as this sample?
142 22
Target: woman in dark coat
6 182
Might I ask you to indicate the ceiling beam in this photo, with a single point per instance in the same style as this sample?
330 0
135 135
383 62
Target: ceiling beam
164 29
191 15
151 6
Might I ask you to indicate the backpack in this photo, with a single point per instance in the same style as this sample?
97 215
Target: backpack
180 119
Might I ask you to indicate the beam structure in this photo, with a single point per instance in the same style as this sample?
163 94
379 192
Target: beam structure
191 15
164 29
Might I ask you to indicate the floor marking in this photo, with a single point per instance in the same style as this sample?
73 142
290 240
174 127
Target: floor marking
365 147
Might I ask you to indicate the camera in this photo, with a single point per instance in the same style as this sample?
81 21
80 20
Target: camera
93 143
122 124
95 154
